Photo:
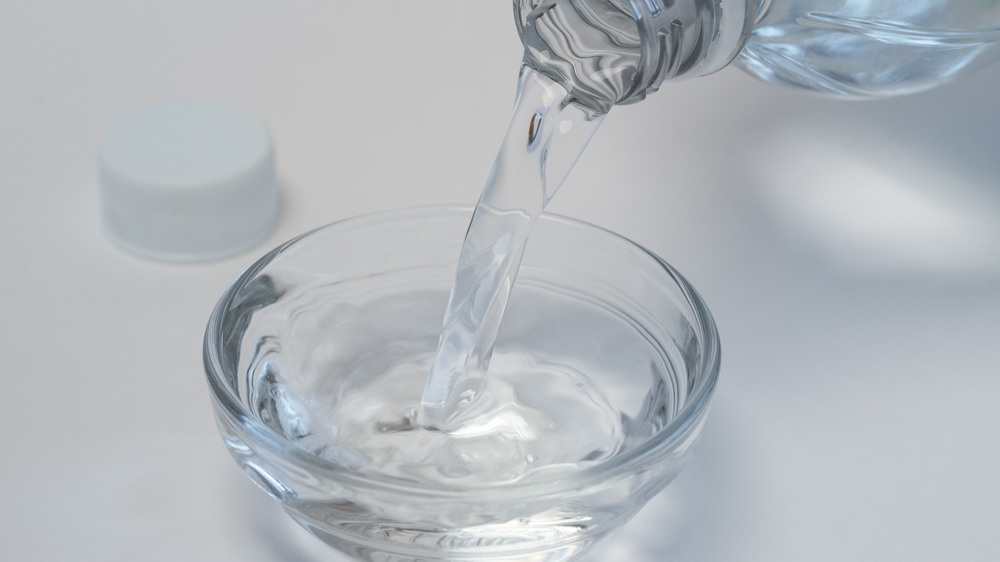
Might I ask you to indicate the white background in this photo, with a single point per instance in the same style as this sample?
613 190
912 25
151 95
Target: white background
849 251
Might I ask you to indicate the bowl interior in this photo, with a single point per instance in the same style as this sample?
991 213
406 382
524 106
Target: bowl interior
605 359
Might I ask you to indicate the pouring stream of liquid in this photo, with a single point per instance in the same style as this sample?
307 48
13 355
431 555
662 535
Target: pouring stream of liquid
547 134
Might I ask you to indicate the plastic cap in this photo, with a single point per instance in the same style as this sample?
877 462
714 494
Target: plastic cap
187 180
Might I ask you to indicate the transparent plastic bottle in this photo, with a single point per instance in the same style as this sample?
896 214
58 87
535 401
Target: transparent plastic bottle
608 52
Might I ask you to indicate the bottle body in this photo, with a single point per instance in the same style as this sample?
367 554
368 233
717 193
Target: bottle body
608 52
865 48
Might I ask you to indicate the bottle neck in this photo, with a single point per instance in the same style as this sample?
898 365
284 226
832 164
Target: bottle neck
607 52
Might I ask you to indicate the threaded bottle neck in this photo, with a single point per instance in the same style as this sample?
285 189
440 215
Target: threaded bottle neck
607 52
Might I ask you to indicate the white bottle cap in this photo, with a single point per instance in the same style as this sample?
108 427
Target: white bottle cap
187 180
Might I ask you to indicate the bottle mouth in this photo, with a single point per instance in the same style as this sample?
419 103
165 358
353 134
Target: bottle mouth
590 47
611 52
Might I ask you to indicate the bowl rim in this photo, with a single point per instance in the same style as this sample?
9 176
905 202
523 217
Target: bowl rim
536 487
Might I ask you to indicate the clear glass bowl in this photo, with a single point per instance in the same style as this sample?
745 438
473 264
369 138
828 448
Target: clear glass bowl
315 347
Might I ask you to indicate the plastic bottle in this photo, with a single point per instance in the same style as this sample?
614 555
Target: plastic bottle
608 52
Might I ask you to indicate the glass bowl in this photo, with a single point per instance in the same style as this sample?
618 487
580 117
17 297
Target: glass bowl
602 375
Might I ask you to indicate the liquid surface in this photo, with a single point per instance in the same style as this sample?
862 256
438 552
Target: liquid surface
547 134
542 411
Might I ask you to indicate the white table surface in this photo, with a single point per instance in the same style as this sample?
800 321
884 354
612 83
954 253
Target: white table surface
849 251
